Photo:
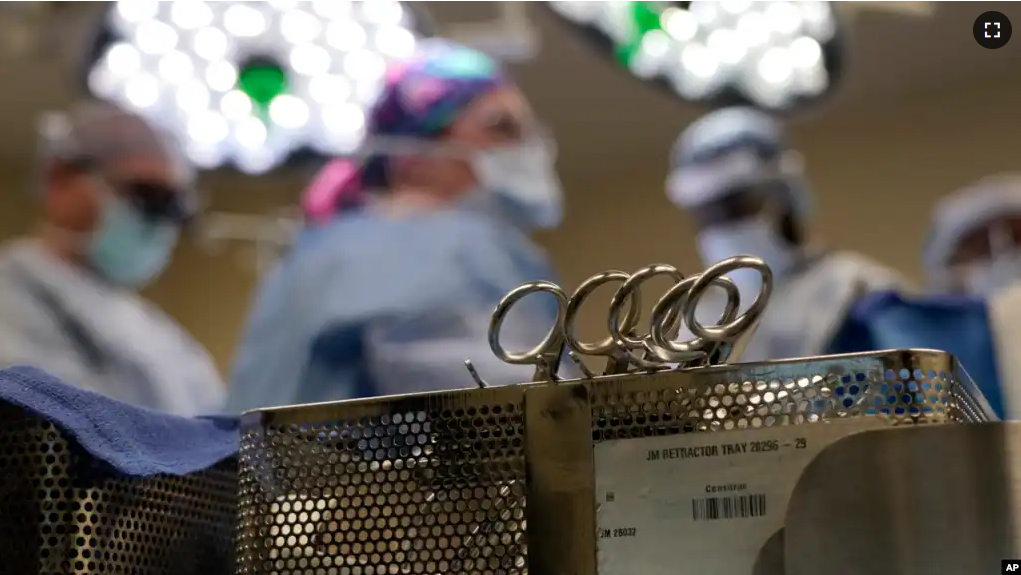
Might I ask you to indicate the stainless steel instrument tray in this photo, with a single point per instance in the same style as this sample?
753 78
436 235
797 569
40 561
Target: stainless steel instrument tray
458 481
63 512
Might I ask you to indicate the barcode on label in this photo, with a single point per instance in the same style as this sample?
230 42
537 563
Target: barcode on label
734 507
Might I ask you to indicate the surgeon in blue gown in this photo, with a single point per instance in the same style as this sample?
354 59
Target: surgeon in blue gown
405 253
973 308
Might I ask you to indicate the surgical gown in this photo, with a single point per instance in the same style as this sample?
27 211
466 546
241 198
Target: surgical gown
371 305
100 337
982 334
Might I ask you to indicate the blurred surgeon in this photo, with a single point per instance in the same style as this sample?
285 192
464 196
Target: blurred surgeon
974 242
404 256
735 174
115 197
973 309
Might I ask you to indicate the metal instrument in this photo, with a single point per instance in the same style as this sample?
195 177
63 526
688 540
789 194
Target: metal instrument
625 349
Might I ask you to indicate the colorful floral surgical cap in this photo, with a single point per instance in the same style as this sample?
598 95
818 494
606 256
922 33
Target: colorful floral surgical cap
422 98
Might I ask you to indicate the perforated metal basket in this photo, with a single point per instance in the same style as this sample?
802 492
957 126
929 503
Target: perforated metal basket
62 512
438 483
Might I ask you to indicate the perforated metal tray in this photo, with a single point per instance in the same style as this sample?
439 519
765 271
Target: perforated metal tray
436 483
61 512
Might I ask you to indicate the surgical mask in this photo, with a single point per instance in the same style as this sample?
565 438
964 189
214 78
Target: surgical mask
128 249
517 183
753 237
523 183
990 276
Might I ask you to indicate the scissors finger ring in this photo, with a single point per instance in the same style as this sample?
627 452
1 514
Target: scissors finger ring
629 341
678 297
605 346
548 345
624 293
734 328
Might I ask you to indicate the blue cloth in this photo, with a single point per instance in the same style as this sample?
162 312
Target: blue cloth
959 325
133 440
370 305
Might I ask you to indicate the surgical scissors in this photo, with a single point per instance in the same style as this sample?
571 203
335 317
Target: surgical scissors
713 344
625 349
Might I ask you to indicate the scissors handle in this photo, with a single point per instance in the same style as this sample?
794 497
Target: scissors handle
606 346
735 327
624 347
550 345
625 339
631 286
664 345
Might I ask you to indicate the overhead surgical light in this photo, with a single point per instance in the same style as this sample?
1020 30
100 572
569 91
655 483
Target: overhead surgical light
251 84
773 55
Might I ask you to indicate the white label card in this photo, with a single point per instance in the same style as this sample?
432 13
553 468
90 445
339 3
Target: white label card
701 503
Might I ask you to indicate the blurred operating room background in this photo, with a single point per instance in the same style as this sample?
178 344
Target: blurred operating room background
921 110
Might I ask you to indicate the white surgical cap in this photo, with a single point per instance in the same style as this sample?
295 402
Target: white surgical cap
723 128
701 173
967 209
106 134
